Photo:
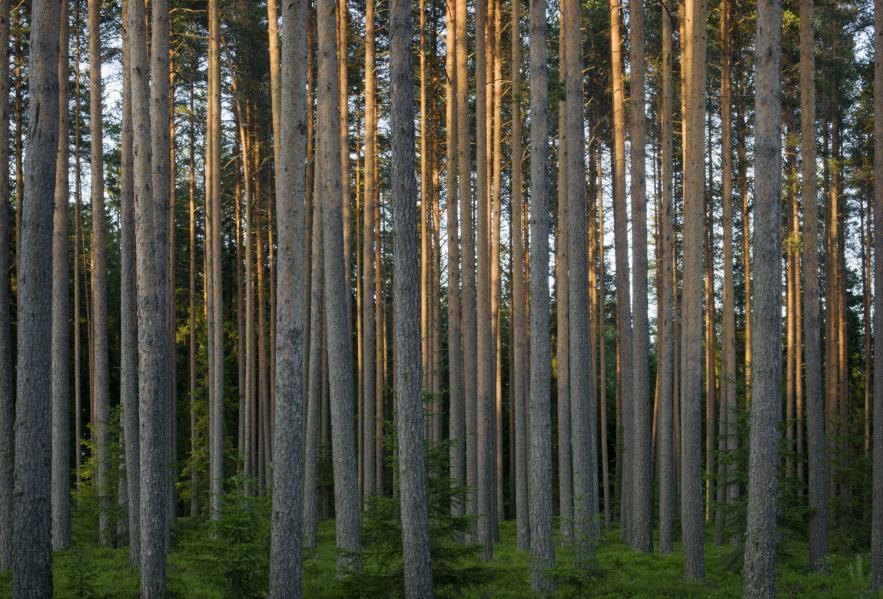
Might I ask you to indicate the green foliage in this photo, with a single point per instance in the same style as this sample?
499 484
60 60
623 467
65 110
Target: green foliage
455 565
235 547
86 503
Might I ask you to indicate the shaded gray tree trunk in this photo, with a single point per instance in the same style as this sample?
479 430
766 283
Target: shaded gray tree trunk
562 319
484 400
151 344
7 398
314 392
817 462
340 373
520 374
665 342
128 308
693 61
540 461
759 574
728 485
216 330
60 408
161 167
622 278
467 256
406 279
877 513
288 444
32 561
642 479
582 385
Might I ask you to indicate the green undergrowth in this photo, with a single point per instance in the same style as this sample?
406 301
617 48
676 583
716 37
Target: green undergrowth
193 571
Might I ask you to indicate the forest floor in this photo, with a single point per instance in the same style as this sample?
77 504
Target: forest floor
87 570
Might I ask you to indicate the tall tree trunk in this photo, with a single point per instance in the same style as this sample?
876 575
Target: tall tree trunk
760 544
625 385
380 333
128 307
710 337
665 343
369 329
496 280
691 353
216 383
817 460
151 381
877 518
866 236
457 427
642 500
100 364
485 355
316 379
520 373
340 373
288 446
562 337
78 386
728 433
791 292
32 562
582 404
161 165
742 176
409 393
467 244
60 402
191 347
540 461
171 308
343 103
602 351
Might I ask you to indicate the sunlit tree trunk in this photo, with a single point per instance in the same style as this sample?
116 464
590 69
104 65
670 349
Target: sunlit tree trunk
369 365
457 427
100 364
625 385
496 280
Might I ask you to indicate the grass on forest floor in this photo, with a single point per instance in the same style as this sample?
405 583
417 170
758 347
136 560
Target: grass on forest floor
90 571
